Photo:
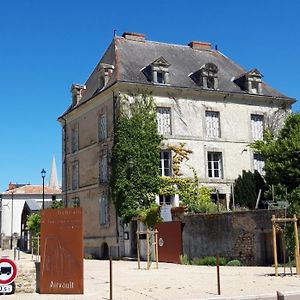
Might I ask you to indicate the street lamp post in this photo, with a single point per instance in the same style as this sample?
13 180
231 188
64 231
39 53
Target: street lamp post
43 173
12 220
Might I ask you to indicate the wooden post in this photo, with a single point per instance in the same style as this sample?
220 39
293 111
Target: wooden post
38 248
156 247
274 245
148 251
218 274
110 279
138 249
296 245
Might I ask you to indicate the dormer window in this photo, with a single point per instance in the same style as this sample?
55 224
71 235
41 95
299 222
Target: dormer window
160 77
250 82
158 71
77 92
207 76
104 73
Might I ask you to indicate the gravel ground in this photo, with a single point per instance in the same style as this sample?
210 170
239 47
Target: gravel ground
170 281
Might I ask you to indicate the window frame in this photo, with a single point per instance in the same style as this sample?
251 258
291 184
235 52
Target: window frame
75 175
207 129
160 117
254 135
103 168
102 127
74 138
211 164
162 200
103 209
259 166
162 160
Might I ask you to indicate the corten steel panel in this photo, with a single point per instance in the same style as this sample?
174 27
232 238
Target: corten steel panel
169 241
61 251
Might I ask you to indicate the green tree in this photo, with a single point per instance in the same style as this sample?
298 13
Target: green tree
282 154
246 189
282 167
33 224
135 157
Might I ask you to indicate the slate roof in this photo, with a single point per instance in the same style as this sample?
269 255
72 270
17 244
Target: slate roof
130 57
32 205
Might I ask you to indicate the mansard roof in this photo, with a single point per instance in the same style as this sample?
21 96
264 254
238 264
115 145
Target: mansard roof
131 56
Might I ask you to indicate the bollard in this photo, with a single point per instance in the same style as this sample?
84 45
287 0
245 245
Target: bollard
218 274
18 253
15 253
110 279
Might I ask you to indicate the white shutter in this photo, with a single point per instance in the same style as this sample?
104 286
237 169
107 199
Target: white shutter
257 127
102 127
103 169
259 163
212 124
164 120
103 209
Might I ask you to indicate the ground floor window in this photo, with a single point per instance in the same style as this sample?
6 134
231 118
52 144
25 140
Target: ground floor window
214 165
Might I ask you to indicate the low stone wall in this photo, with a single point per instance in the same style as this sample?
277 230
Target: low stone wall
246 236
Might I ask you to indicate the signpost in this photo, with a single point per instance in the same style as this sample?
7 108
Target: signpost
8 273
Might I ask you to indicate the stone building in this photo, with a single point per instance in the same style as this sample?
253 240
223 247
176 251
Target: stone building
204 100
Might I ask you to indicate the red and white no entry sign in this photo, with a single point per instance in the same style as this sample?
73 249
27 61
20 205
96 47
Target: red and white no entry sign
8 271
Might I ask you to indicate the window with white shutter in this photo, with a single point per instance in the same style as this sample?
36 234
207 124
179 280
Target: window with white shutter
102 127
103 205
259 163
164 120
74 139
103 168
257 127
212 119
75 175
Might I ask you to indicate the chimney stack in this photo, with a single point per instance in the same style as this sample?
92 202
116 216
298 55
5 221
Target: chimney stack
200 45
140 37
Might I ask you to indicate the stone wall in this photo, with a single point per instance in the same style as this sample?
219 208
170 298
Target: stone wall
246 236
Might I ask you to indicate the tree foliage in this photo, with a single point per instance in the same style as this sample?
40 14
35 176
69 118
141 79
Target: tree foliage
246 189
282 167
282 154
135 157
196 198
33 224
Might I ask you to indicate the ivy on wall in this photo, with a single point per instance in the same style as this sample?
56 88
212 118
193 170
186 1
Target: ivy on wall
135 176
196 198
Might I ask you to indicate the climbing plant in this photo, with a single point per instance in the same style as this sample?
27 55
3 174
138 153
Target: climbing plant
135 156
195 197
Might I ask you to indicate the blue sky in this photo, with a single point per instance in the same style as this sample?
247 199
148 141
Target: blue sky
46 46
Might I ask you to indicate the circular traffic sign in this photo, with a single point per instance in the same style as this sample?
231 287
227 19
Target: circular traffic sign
8 271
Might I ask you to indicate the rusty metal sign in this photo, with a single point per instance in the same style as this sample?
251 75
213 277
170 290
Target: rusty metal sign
169 241
61 270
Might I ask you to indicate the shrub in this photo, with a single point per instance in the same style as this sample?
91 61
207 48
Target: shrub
209 261
234 263
184 260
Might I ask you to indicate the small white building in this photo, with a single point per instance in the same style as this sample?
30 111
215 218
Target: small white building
12 204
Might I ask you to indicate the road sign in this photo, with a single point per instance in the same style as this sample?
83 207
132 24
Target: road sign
8 271
6 289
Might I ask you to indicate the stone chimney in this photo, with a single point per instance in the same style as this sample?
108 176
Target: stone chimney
77 92
200 45
134 36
